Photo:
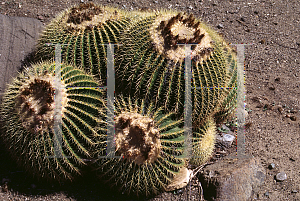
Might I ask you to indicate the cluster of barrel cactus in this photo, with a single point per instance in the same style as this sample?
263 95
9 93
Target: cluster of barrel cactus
148 155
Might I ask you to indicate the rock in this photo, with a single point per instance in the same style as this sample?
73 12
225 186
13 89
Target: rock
40 17
271 166
18 36
293 118
220 26
267 194
232 178
226 139
281 176
294 191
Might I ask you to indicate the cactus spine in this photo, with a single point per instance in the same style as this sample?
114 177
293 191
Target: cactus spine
149 144
150 64
27 112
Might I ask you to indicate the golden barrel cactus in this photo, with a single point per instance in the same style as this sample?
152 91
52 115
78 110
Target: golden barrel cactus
28 120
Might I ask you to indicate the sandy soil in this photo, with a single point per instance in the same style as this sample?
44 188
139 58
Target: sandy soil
272 97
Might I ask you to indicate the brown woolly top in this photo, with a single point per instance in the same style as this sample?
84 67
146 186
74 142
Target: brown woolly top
137 138
170 30
35 103
88 15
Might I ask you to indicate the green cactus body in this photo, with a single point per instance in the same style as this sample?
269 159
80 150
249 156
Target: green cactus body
203 142
227 108
83 31
150 64
149 145
28 109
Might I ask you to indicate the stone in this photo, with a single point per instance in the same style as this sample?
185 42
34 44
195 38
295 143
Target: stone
225 139
281 176
271 166
18 36
232 179
220 26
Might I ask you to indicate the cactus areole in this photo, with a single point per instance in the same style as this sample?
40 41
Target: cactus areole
169 31
87 15
35 103
137 138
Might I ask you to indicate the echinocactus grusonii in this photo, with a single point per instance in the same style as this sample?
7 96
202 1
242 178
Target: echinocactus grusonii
84 31
149 150
27 114
151 63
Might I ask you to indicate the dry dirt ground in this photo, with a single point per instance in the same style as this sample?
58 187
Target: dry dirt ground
272 74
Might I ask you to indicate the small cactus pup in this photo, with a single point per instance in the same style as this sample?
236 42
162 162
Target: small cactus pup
203 142
83 32
151 63
148 151
27 114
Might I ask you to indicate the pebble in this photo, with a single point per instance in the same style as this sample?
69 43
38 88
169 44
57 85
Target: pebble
267 194
271 166
294 191
40 17
281 176
220 26
272 88
179 191
293 118
226 139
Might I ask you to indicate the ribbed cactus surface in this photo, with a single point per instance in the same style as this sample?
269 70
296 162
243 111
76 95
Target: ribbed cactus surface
27 113
149 147
228 106
203 142
83 31
151 63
